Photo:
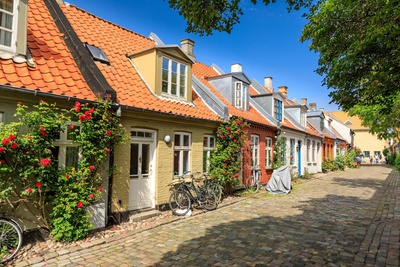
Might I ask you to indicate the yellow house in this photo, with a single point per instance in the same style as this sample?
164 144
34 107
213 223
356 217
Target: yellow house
363 139
169 123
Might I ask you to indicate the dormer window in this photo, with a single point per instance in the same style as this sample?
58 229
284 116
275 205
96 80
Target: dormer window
278 113
240 95
13 17
174 76
322 124
8 11
303 118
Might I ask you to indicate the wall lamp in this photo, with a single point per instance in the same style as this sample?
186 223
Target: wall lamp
167 138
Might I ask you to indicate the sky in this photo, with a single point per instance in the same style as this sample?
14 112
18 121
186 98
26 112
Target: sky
266 42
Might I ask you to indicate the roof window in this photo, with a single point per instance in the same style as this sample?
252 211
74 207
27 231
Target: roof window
97 53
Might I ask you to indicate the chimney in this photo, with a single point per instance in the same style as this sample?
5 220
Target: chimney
313 106
188 47
304 101
236 68
321 109
283 91
268 83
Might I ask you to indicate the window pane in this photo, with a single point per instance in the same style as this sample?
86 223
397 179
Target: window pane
177 140
176 162
134 159
186 140
72 157
164 87
212 142
205 141
205 161
165 63
186 161
145 158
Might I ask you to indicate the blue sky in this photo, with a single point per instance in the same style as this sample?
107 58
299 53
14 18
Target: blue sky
265 42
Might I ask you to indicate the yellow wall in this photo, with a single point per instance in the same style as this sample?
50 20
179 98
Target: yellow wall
369 142
164 154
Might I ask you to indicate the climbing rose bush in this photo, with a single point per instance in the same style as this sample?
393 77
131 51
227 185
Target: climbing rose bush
30 171
225 161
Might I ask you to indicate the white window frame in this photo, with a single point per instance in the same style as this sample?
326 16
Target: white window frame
180 150
313 152
240 95
308 150
13 46
178 79
63 143
208 148
268 152
255 151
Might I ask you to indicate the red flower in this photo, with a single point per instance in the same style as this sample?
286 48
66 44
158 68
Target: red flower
71 127
41 101
88 117
77 107
44 134
45 162
229 128
108 133
6 141
108 150
111 118
2 149
79 204
100 189
11 137
14 145
91 110
29 137
29 190
238 122
91 196
82 118
91 168
38 184
19 103
67 175
41 128
2 161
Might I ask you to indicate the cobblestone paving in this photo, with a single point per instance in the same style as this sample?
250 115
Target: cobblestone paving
349 218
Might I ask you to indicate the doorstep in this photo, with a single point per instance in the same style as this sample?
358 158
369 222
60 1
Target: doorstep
142 215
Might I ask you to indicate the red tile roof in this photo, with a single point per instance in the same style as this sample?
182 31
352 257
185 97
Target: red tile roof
55 70
201 71
117 42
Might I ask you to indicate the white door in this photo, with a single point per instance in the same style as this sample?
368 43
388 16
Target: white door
142 186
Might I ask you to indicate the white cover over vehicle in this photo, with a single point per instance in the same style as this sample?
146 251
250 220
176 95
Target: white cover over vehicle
280 182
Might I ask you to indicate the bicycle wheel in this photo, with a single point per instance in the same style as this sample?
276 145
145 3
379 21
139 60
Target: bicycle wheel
179 202
10 239
217 190
251 185
208 198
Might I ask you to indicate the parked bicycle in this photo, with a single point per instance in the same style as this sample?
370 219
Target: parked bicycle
10 238
253 183
215 185
187 193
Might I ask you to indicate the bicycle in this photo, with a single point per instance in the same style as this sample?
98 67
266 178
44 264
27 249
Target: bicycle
214 185
10 238
253 183
185 193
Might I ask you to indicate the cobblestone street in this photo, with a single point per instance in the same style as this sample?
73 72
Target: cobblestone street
349 218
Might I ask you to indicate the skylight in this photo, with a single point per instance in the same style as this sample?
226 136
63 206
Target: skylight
97 53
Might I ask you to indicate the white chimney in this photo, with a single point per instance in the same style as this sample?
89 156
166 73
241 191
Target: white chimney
236 68
188 47
268 83
313 106
304 101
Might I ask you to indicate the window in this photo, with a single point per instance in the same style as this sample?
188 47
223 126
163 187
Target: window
208 147
268 152
97 53
173 78
322 124
278 109
1 117
366 154
255 151
240 95
8 21
292 151
65 150
182 144
303 118
313 151
308 151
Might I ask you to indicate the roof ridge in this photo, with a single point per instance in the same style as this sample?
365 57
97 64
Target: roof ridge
107 21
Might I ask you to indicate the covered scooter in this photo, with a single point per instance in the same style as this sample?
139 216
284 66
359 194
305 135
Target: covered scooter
280 182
